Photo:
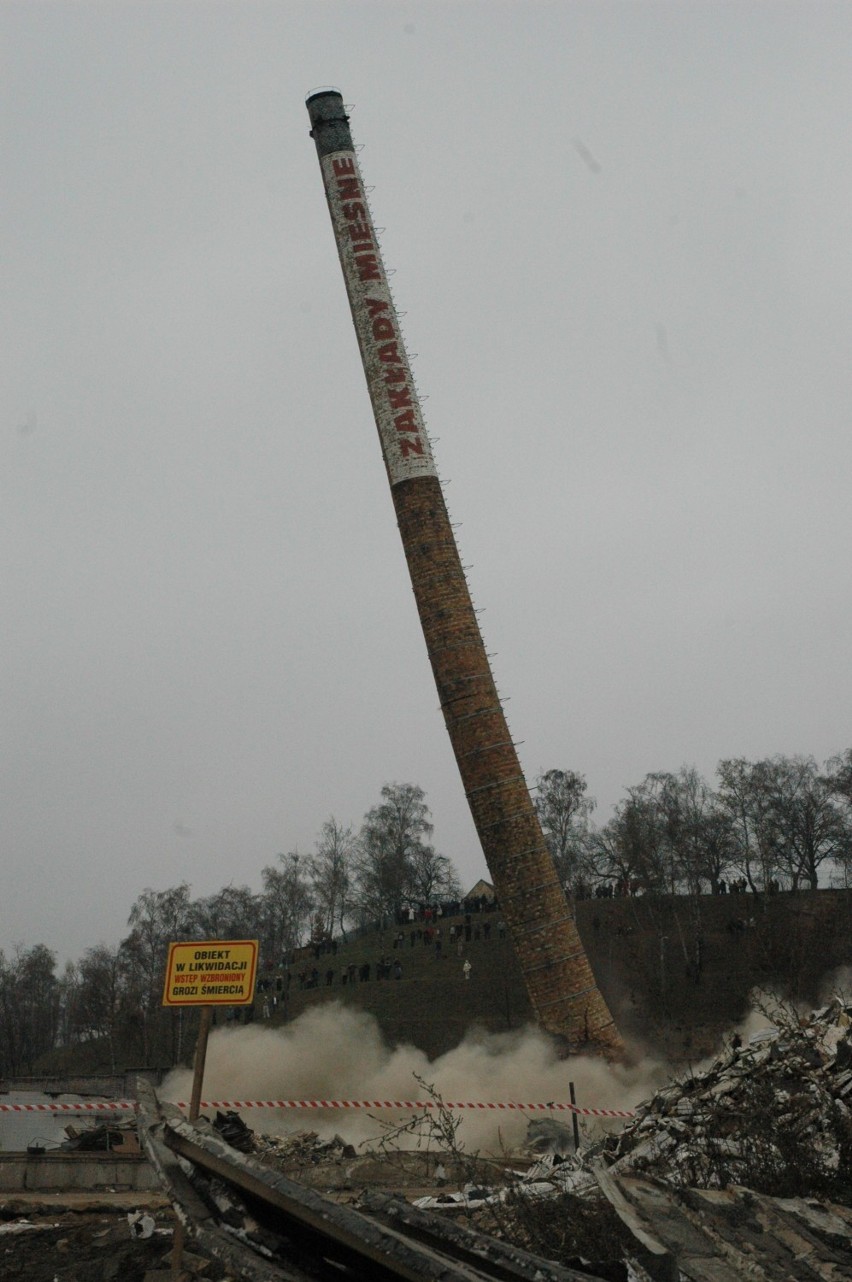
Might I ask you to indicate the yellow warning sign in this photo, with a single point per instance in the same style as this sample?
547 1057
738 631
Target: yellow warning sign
211 972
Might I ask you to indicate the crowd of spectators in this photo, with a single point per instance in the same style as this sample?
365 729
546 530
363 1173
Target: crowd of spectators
475 919
413 927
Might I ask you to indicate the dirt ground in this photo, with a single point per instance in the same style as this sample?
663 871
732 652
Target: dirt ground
43 1245
79 1237
85 1237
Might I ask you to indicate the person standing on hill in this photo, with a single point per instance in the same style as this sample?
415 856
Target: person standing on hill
467 968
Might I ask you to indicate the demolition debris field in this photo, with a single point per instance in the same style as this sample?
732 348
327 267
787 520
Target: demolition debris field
741 1169
763 1133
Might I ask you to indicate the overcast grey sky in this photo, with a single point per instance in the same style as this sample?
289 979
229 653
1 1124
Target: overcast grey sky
621 234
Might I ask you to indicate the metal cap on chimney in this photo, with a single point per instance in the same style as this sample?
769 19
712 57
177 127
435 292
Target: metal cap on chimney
329 121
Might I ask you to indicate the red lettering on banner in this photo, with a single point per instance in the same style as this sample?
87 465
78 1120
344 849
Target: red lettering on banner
377 322
368 267
406 422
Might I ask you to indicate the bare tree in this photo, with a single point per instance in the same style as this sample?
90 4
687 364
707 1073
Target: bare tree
287 903
234 912
433 877
838 772
787 819
563 809
392 843
29 1007
157 918
698 830
745 795
838 777
331 875
101 1007
811 828
633 848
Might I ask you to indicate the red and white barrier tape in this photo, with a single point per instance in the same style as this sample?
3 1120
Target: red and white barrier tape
123 1105
237 1105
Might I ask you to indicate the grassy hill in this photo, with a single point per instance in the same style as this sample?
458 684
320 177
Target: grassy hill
677 971
432 1005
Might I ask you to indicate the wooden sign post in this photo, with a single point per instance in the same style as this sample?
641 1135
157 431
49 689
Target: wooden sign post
207 973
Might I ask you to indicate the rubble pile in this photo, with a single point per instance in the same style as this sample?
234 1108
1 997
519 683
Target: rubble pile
774 1114
303 1148
552 1174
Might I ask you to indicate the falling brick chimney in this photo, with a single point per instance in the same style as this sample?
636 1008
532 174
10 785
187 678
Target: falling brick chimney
559 979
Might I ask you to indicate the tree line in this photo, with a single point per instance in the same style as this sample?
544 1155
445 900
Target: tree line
777 823
111 999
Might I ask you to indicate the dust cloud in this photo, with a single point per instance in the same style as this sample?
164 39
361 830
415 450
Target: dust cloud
335 1052
836 984
771 1009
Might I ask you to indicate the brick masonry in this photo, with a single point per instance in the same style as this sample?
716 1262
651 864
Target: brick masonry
556 969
